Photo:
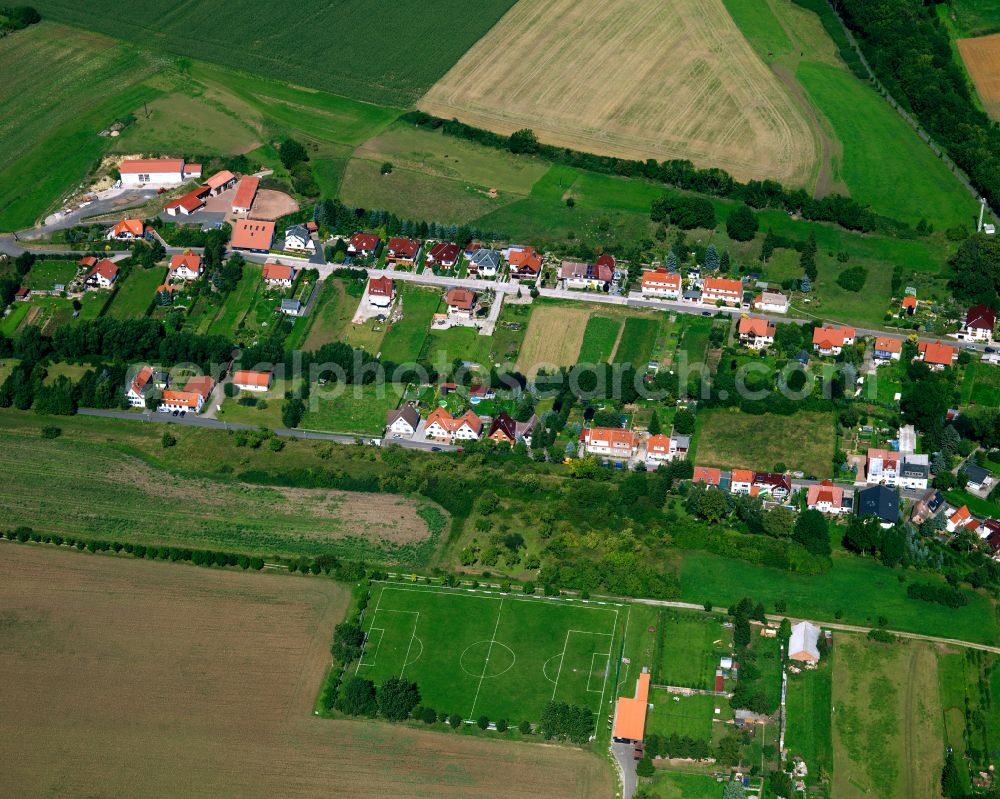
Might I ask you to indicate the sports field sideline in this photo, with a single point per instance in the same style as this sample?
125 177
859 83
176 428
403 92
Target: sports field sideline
503 656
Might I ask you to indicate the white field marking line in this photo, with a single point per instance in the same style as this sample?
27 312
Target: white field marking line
607 674
413 635
590 676
374 614
562 660
361 660
580 603
482 677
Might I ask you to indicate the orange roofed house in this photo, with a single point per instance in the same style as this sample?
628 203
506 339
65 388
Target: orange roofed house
936 355
192 397
717 289
826 498
247 380
888 349
252 235
442 426
525 263
707 475
630 713
127 230
186 266
102 275
756 333
661 283
610 441
278 275
832 340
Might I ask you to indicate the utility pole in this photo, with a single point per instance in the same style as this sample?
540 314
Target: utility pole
982 210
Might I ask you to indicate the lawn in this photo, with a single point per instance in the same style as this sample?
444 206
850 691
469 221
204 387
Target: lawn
809 730
599 339
350 409
44 275
372 68
859 589
986 387
681 715
887 724
405 339
692 646
977 17
479 654
237 304
732 439
40 488
15 316
694 341
463 343
333 309
136 293
677 785
637 341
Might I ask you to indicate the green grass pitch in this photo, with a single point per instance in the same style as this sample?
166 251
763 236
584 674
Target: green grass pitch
481 654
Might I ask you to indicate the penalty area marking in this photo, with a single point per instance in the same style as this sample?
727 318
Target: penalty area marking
607 669
368 638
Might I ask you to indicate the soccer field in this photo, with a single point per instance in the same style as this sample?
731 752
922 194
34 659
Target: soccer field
500 656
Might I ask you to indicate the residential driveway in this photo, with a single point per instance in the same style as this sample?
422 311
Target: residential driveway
624 755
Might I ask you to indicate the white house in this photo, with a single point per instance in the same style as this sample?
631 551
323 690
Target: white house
157 172
442 426
661 283
579 275
127 230
460 303
485 263
297 239
802 645
826 498
771 302
662 448
192 397
402 422
717 289
381 291
979 324
102 276
140 387
248 380
756 333
741 481
278 275
187 266
959 518
832 340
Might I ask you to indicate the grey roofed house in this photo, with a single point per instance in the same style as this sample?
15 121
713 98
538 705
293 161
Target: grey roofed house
693 294
683 442
291 307
978 476
802 643
485 259
914 469
407 413
526 428
879 501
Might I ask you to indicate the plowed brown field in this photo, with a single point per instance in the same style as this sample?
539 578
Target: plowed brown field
982 58
138 679
633 78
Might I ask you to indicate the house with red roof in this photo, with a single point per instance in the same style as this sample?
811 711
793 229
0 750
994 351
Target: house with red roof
185 266
936 355
147 172
140 387
741 482
364 245
220 182
102 276
612 442
127 230
707 475
887 348
771 302
832 340
381 291
444 255
826 498
661 283
442 426
253 235
717 289
249 380
583 276
402 251
524 262
246 193
980 321
461 303
278 276
771 484
192 397
958 519
756 333
88 262
908 305
662 448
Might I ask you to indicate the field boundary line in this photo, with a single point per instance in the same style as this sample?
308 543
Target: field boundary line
489 651
374 614
590 676
611 651
413 635
377 647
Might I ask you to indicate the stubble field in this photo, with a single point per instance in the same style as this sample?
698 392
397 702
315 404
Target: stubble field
553 338
636 79
146 680
982 58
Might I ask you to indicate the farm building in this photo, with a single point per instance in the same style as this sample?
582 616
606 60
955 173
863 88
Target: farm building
157 172
246 193
802 643
252 235
630 713
247 380
220 182
189 203
192 397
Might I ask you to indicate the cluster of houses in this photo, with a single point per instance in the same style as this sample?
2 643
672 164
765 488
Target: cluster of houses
442 427
192 397
709 291
485 263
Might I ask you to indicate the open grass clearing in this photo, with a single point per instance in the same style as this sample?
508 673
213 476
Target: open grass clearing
887 724
681 715
45 275
477 654
637 341
137 292
41 489
134 632
660 58
352 409
692 646
732 439
976 17
810 726
405 339
680 785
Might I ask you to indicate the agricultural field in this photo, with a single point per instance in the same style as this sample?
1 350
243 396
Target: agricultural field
371 68
887 724
41 489
553 338
695 88
137 292
637 341
599 339
60 88
981 57
501 656
732 439
44 275
133 662
405 339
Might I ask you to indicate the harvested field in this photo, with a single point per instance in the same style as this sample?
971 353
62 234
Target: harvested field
982 58
635 79
41 488
553 338
149 679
